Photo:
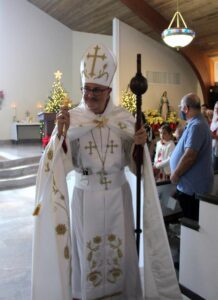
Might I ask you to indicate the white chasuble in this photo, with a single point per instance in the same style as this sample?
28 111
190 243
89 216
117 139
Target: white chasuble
101 204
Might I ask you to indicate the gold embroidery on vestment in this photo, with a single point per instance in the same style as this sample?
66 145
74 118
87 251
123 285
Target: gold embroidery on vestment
50 154
66 252
113 262
109 296
94 276
37 210
122 125
90 147
61 229
47 167
112 146
101 122
115 270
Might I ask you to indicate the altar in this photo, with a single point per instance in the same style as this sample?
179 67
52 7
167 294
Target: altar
21 132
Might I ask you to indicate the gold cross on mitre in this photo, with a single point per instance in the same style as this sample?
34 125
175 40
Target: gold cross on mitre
95 56
58 75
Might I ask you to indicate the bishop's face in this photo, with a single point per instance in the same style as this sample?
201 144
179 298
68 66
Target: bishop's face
96 97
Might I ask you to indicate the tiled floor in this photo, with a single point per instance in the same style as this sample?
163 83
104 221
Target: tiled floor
14 151
16 227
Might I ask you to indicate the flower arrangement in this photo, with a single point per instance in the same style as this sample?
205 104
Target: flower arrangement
153 116
155 120
173 119
128 100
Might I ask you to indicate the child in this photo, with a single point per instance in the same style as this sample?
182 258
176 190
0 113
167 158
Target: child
164 150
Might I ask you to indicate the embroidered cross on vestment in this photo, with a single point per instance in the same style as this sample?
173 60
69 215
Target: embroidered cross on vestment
112 146
90 147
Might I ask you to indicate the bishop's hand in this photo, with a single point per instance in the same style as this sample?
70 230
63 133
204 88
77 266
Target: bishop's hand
140 137
63 121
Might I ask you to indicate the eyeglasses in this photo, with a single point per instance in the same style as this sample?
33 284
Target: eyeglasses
181 106
95 91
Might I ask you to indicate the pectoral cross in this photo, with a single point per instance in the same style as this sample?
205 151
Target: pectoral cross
90 147
112 146
95 56
105 182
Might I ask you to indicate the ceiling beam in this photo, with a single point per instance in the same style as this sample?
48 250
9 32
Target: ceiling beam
200 63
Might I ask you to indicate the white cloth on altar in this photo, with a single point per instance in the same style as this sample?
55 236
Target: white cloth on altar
159 276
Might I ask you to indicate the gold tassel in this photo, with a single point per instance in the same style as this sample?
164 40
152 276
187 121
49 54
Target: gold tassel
37 210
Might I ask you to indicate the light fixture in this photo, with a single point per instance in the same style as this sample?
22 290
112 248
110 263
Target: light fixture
179 36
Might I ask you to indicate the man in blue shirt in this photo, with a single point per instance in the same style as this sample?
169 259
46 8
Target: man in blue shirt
191 160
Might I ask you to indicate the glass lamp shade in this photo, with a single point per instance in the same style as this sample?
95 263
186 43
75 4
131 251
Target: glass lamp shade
178 37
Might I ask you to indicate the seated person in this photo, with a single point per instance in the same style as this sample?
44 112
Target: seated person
164 149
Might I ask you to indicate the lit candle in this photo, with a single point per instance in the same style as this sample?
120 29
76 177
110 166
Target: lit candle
14 106
39 106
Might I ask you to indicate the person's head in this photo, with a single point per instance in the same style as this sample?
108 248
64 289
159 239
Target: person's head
164 94
189 106
165 133
97 69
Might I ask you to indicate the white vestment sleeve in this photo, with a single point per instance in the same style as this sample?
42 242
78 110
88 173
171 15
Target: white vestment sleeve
160 282
51 267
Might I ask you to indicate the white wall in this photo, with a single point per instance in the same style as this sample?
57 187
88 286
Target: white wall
155 57
33 47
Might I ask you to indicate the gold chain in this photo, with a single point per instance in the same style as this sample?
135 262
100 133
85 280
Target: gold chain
102 159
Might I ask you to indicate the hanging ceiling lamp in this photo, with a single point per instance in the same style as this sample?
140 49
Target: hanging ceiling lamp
179 36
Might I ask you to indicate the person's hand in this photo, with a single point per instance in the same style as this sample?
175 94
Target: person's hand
63 121
140 137
174 178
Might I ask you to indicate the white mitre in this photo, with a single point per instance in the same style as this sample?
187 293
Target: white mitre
98 65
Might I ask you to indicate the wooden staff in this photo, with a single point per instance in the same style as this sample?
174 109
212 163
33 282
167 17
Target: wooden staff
138 86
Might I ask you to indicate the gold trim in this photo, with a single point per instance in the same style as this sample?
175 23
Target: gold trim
50 154
61 229
109 296
37 210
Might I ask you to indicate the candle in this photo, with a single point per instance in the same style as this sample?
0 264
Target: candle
14 107
39 106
